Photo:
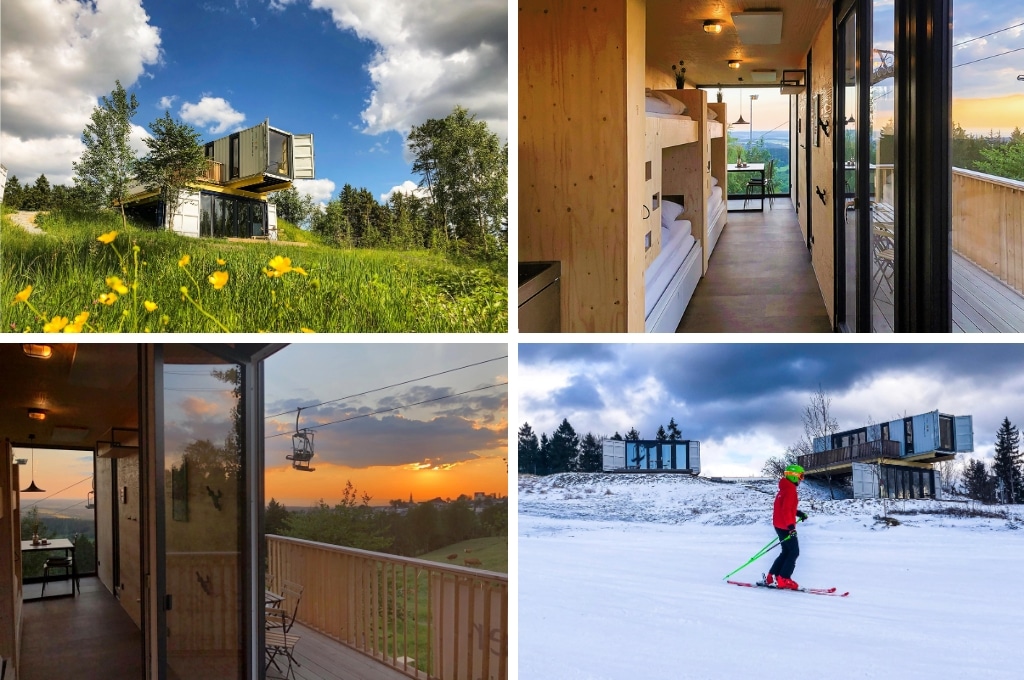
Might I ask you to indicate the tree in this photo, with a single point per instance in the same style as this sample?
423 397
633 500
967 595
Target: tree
529 450
108 164
632 435
818 421
591 453
14 193
544 457
565 446
616 437
275 521
674 433
174 162
978 483
465 168
352 522
293 206
1003 160
1006 463
38 196
661 435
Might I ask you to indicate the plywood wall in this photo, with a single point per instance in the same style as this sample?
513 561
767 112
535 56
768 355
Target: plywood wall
130 567
657 78
10 558
581 155
822 215
105 522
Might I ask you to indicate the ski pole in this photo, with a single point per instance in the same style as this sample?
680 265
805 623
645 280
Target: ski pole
760 553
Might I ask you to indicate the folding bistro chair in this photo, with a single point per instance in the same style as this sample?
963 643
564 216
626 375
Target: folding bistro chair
279 621
67 563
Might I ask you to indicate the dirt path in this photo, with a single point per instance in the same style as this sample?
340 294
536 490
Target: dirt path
26 219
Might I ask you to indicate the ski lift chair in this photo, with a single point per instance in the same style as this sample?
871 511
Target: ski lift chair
302 450
90 500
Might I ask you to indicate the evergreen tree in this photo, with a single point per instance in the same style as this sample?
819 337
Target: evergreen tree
109 164
662 435
1006 466
14 193
632 435
978 483
674 434
529 450
174 162
37 196
544 458
591 453
275 521
565 446
293 206
616 437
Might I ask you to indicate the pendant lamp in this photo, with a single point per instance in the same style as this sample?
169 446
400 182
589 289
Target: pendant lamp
740 121
32 488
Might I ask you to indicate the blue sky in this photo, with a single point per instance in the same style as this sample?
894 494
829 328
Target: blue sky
744 402
356 73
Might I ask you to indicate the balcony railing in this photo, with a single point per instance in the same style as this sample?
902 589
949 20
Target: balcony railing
214 171
988 224
424 619
846 455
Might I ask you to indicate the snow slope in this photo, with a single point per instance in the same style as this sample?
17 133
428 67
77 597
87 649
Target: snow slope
620 577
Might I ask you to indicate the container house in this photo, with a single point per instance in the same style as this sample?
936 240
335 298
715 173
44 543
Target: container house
893 459
620 192
647 455
230 200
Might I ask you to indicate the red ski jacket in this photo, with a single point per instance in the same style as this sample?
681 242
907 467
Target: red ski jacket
785 505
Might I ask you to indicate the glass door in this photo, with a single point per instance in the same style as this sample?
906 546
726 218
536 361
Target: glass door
846 125
882 195
201 514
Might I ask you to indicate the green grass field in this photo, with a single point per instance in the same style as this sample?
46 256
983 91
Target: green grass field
492 553
342 290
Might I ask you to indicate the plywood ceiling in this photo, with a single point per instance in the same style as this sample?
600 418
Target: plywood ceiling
92 386
675 30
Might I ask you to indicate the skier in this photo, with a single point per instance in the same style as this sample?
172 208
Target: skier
784 519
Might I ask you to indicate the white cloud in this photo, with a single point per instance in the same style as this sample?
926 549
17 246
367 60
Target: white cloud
213 113
409 188
60 57
430 57
166 102
320 190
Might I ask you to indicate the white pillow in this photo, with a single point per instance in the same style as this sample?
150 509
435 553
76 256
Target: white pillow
659 102
712 115
714 181
669 212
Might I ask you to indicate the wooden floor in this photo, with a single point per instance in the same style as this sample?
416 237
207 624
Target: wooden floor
759 279
982 303
89 637
325 659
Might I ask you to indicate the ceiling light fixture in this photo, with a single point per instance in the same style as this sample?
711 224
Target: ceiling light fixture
37 351
37 414
734 63
712 26
32 488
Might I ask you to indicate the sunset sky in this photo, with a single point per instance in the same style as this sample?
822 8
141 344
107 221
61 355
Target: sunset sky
451 446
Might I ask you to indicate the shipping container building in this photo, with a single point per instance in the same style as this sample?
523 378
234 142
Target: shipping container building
646 455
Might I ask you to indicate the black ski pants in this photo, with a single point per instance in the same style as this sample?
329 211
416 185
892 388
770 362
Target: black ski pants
785 563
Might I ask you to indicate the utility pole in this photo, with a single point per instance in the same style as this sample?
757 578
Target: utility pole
750 139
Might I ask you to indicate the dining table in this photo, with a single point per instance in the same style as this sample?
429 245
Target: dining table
748 167
53 544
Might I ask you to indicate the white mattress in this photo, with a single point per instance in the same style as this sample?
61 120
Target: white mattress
673 116
673 251
714 204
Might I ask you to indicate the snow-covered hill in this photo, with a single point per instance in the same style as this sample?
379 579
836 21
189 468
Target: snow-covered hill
620 577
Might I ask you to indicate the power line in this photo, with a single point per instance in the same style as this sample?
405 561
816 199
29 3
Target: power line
991 57
61 491
988 34
386 410
378 389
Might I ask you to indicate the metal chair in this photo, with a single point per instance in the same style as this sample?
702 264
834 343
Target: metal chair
67 563
278 636
767 185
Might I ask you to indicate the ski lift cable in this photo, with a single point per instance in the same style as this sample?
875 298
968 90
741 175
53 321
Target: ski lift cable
990 57
378 389
71 506
57 492
988 34
386 410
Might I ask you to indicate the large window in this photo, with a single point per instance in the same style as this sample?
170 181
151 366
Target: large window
226 216
278 154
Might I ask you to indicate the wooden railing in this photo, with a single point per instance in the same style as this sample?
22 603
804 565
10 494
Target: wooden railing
426 620
812 462
214 171
988 224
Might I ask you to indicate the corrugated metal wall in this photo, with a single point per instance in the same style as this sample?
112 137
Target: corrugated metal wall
252 147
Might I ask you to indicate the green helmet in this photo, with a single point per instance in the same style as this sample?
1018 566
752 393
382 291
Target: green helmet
794 473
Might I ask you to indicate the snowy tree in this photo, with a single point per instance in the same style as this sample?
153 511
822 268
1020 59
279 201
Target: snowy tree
590 458
565 446
1006 466
529 450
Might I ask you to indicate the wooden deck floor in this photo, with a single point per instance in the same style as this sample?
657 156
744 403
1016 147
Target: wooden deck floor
325 659
759 279
982 303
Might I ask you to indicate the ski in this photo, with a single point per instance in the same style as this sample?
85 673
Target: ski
810 591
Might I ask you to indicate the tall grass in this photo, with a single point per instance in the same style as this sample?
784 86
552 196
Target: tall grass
342 290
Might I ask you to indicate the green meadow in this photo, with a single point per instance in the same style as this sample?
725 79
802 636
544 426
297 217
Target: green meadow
171 283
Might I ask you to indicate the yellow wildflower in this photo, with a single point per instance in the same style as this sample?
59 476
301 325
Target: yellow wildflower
299 270
218 279
150 306
116 284
23 295
108 298
185 259
55 325
308 330
107 238
221 262
279 266
76 325
165 319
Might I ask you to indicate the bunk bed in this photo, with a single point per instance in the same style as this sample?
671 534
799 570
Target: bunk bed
673 252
